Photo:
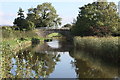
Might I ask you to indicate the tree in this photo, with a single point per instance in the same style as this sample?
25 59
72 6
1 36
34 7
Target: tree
57 22
21 23
98 18
21 14
44 16
33 16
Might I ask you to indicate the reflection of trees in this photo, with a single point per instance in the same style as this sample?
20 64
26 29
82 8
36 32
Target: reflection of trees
29 64
5 63
83 70
92 67
5 67
40 64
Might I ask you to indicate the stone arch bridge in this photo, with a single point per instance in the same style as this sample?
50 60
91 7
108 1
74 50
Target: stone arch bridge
45 32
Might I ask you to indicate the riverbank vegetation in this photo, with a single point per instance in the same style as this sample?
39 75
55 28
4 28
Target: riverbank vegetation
15 39
98 44
12 39
106 48
97 28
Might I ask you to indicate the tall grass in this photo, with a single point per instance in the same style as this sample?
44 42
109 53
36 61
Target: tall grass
106 47
12 34
104 44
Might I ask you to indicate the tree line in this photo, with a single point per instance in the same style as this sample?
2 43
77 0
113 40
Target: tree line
97 19
44 15
94 19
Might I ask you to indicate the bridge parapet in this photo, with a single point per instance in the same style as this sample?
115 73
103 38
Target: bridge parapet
45 32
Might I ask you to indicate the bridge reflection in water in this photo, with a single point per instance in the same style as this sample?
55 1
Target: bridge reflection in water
55 59
55 46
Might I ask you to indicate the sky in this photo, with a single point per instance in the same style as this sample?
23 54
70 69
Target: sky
66 9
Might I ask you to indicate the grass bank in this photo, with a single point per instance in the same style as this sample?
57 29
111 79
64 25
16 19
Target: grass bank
12 40
104 47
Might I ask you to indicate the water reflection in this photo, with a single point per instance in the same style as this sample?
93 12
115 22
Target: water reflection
88 66
54 44
55 60
37 62
34 64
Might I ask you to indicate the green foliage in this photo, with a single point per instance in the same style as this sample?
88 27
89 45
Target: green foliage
12 39
35 40
20 13
29 25
44 15
13 34
98 18
21 23
7 28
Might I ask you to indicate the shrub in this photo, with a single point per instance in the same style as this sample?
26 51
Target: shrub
23 24
35 41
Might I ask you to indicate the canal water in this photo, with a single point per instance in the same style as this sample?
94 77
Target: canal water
56 59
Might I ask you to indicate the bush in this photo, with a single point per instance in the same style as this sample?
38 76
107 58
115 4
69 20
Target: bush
35 41
22 39
23 24
9 28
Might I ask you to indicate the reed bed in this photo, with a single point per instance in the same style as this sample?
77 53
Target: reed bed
107 47
104 44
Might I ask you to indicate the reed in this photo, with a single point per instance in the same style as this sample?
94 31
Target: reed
98 44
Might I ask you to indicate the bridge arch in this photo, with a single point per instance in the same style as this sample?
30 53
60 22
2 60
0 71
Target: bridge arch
45 32
55 35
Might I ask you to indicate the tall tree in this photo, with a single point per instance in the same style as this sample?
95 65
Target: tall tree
33 16
20 19
21 23
44 15
21 14
57 22
98 18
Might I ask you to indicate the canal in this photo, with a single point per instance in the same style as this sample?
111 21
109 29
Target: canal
56 59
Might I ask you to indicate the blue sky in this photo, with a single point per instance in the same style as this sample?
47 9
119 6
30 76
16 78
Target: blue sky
67 10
